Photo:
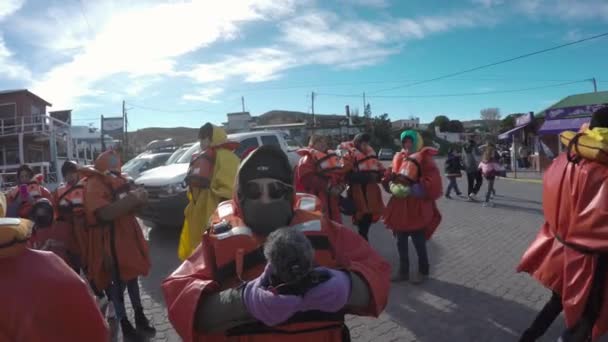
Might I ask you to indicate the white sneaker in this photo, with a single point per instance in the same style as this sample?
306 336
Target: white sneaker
102 304
489 204
472 197
111 313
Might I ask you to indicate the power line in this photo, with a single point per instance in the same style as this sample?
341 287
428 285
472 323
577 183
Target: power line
338 84
493 64
457 94
161 110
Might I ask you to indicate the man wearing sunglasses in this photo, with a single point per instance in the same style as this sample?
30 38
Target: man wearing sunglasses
222 292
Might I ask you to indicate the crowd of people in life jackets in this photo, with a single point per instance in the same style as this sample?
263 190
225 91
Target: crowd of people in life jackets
265 254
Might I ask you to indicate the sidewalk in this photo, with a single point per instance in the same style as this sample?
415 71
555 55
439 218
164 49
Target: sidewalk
525 175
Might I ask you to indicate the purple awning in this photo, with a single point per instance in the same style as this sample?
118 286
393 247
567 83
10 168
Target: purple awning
558 126
507 135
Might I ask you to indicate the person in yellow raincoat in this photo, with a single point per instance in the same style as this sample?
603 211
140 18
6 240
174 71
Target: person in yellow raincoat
210 181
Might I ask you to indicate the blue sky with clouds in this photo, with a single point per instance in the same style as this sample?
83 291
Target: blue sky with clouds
181 63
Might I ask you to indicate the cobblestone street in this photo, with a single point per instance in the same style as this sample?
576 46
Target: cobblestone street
474 293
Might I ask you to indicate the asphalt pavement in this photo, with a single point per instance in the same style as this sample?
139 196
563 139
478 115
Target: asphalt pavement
473 294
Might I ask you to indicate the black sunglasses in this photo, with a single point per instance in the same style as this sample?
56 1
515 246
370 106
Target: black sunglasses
276 190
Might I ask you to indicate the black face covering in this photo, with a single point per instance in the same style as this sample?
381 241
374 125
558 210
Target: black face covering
264 218
43 217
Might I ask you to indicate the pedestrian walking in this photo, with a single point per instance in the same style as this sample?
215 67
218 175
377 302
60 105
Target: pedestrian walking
211 300
415 184
470 155
570 253
363 180
453 170
210 181
489 168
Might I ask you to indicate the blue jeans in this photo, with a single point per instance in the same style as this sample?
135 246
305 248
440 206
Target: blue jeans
452 185
116 293
419 244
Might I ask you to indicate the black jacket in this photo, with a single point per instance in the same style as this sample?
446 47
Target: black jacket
453 165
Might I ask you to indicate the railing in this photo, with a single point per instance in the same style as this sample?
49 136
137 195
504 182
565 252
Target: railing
9 173
32 124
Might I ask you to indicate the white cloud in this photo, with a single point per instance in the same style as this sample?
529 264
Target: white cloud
147 40
325 38
573 35
8 7
204 95
488 3
257 65
569 10
368 3
10 68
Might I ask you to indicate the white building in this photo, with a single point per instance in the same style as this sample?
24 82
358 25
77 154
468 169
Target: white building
238 122
87 142
412 122
449 136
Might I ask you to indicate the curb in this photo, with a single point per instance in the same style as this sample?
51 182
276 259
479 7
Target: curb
524 180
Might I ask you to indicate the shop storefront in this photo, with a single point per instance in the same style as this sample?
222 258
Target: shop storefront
568 114
522 138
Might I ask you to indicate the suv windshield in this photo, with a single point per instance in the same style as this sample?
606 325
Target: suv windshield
187 156
176 155
134 164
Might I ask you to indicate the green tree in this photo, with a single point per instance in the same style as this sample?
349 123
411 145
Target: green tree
508 123
454 126
368 111
441 121
381 132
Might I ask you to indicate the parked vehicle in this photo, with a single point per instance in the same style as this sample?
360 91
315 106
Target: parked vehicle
178 153
139 164
386 154
167 190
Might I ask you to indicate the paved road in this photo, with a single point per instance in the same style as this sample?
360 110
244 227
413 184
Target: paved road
474 293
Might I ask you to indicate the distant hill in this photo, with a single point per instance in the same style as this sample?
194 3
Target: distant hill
181 135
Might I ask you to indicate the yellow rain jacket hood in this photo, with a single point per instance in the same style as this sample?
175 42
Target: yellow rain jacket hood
14 232
203 202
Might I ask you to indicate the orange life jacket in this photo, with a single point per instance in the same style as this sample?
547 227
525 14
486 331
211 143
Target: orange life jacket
407 167
70 198
366 161
35 190
238 255
119 243
325 162
70 207
202 165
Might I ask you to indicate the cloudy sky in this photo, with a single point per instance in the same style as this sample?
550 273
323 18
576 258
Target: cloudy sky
181 63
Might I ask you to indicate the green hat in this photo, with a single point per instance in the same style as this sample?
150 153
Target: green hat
415 136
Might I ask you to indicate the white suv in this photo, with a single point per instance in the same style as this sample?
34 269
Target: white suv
166 187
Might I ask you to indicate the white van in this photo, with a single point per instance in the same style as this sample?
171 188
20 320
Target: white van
166 187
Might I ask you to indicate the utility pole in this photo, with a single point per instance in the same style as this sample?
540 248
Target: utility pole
314 121
103 141
594 85
364 102
125 132
243 103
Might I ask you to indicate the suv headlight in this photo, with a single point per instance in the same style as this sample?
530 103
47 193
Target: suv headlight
173 189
